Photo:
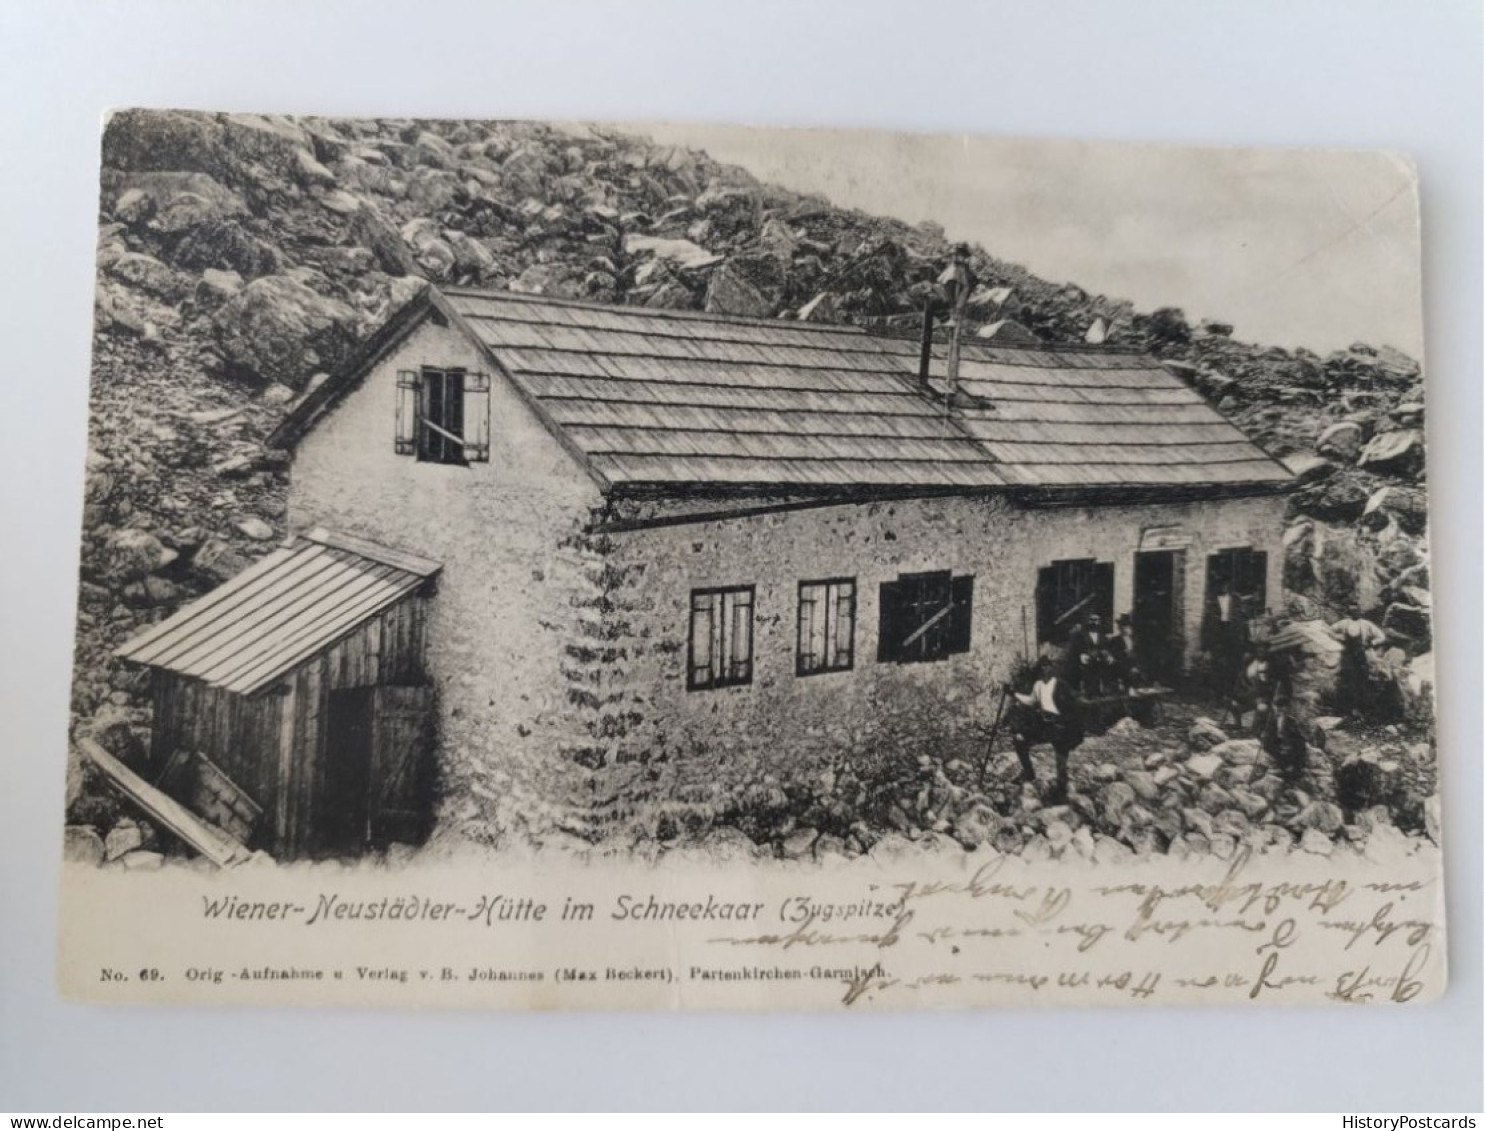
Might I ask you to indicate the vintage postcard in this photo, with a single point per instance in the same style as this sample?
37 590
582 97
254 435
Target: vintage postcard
537 565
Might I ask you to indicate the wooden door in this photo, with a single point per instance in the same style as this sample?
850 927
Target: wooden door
1157 612
345 799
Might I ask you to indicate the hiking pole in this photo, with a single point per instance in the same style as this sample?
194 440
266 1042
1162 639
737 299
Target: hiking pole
994 733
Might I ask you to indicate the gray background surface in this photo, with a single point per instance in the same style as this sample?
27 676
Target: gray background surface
1292 72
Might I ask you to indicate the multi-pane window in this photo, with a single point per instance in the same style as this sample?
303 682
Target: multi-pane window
721 649
827 626
1237 586
1067 592
925 616
443 415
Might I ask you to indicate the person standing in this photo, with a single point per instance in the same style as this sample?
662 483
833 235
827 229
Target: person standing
1123 651
1048 713
1358 637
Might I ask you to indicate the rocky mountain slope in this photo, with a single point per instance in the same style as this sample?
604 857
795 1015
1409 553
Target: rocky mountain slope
240 258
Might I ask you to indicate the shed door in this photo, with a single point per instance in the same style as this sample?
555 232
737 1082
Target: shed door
345 803
401 767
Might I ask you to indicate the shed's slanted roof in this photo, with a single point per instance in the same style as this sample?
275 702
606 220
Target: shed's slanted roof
656 397
279 612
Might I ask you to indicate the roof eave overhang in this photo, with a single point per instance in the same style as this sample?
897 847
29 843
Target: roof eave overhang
382 341
1134 494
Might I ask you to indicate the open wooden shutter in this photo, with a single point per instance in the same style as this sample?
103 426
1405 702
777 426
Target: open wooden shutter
962 591
409 393
700 669
1046 604
1258 581
401 767
1103 585
477 417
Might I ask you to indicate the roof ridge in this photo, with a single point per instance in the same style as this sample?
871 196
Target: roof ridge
655 312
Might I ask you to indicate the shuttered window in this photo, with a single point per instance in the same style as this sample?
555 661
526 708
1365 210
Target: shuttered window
721 647
827 626
443 415
1067 592
925 617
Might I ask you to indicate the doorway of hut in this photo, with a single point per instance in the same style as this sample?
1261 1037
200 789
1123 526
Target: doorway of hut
1158 613
376 788
346 801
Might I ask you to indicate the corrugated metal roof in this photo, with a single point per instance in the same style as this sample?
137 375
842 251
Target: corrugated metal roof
660 397
280 611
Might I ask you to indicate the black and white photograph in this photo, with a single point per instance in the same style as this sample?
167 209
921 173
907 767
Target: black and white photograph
740 557
542 484
469 492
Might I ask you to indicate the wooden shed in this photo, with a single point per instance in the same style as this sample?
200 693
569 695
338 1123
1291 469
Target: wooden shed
292 707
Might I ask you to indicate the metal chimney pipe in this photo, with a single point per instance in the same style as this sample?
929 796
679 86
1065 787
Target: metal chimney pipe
925 345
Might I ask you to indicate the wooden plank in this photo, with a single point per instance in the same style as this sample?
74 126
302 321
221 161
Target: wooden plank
309 784
206 603
296 614
242 628
229 601
289 706
373 630
204 837
413 563
300 639
292 574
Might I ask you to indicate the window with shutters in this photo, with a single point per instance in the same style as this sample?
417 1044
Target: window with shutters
827 626
443 415
925 617
721 650
1067 592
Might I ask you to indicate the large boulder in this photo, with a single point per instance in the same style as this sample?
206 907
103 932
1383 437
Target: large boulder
171 202
1237 752
1307 468
1340 498
683 254
150 140
81 844
148 274
434 254
1347 571
728 292
1407 506
276 329
271 141
225 243
1398 453
548 279
1415 622
130 554
1342 441
977 826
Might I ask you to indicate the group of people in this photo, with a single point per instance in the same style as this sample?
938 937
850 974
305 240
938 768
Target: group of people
1099 662
1254 665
